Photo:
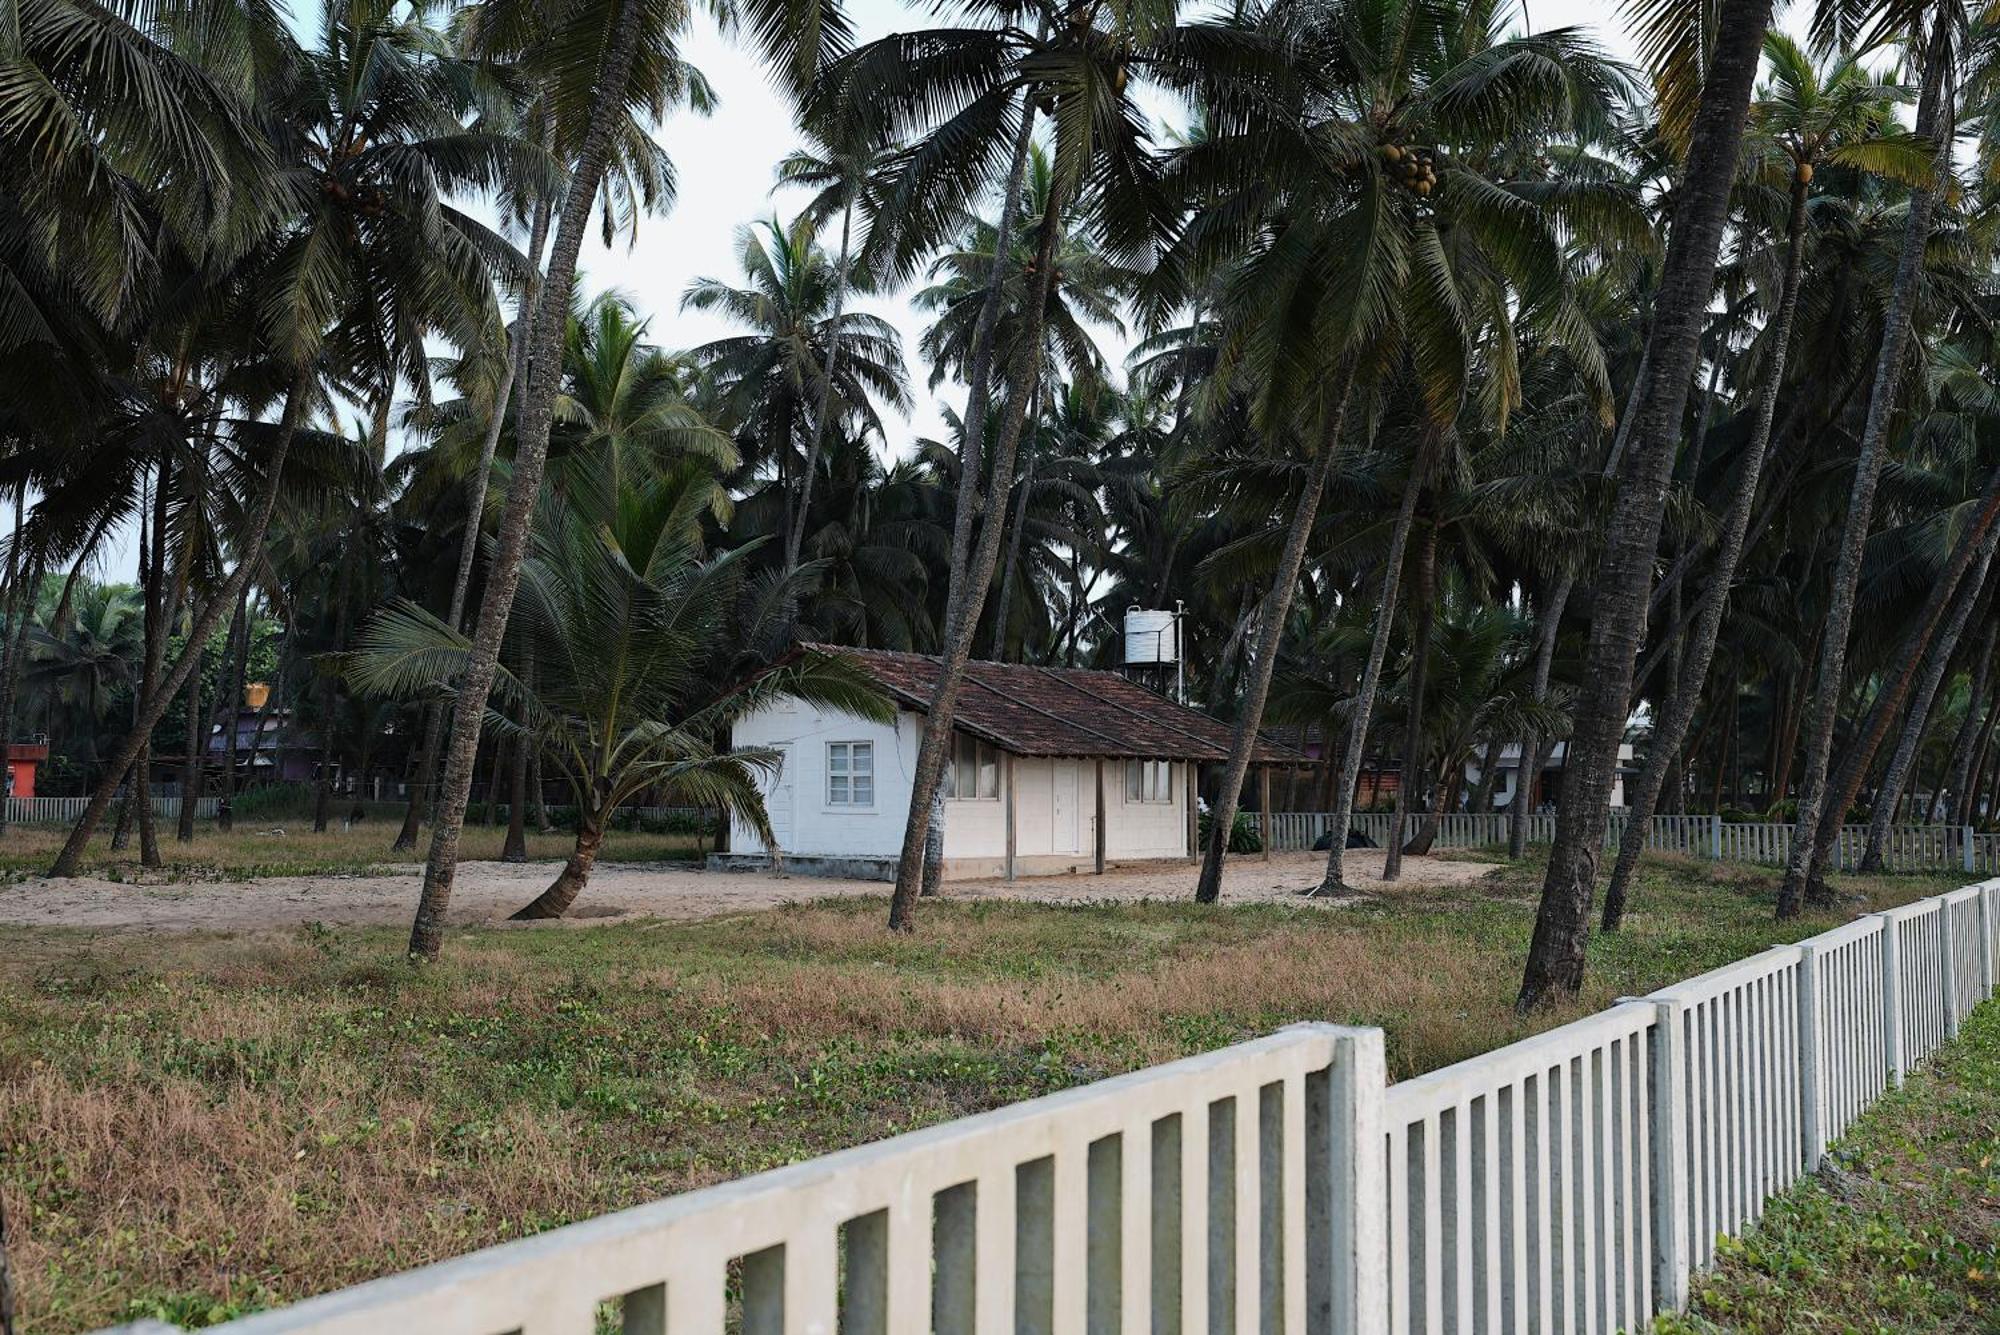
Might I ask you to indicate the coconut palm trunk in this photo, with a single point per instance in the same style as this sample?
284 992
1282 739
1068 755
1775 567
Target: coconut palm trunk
1632 535
916 867
1983 772
422 792
1698 651
1942 652
516 847
538 810
153 655
1846 782
20 611
1933 115
972 580
237 670
575 874
1482 791
205 622
1349 773
20 608
1415 753
795 537
1958 775
503 577
997 648
1270 631
329 703
1534 748
191 758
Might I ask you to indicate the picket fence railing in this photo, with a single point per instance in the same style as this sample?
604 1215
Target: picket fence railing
1908 847
1572 1182
65 810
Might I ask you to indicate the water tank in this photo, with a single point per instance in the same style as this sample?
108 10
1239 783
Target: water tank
1151 637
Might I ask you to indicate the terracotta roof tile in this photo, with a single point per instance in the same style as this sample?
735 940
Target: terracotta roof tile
1042 711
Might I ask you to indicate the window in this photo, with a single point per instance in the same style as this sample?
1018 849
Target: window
1149 781
850 774
975 770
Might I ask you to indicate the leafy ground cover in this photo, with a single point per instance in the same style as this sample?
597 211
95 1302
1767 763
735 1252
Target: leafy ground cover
1900 1232
199 1125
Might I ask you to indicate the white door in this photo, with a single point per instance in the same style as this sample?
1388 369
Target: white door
1064 824
778 801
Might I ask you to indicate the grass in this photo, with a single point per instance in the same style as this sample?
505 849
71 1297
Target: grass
198 1126
1899 1233
254 849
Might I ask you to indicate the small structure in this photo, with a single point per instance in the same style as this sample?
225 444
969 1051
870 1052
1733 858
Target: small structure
1054 771
23 760
1548 783
270 747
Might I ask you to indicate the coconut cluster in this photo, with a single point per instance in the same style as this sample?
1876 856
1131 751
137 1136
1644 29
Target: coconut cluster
1416 168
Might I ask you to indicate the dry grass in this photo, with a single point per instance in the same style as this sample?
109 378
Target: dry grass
257 848
198 1125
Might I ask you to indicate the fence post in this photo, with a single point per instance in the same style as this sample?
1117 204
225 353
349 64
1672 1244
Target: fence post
1715 836
1892 998
1359 1199
1948 937
1986 979
1969 837
1812 1076
1669 1115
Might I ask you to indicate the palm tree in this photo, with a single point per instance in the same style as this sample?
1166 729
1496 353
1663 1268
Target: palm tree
1358 196
874 536
966 99
1672 38
80 660
1087 289
1804 881
1056 514
627 407
362 263
633 632
1805 121
597 75
840 168
805 354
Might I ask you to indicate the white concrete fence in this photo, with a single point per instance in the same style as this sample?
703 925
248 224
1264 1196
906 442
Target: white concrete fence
1571 1182
65 810
1957 848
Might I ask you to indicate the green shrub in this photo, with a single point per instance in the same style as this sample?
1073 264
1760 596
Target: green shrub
1243 836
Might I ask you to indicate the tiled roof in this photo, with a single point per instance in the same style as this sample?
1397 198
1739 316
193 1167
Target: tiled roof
1042 711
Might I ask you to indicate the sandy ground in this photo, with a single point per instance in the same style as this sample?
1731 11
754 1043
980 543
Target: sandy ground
489 891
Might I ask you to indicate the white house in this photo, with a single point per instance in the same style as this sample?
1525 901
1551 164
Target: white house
1055 770
1507 765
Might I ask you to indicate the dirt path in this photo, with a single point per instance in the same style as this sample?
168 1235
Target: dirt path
489 891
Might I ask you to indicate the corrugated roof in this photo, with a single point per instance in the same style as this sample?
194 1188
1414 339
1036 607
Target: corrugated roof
1042 711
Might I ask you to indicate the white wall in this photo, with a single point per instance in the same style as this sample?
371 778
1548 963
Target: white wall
796 798
1144 829
1055 800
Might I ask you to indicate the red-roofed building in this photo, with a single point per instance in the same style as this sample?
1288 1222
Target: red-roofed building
1055 770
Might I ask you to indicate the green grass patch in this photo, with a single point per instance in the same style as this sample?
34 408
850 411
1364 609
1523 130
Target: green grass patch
199 1125
1900 1232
